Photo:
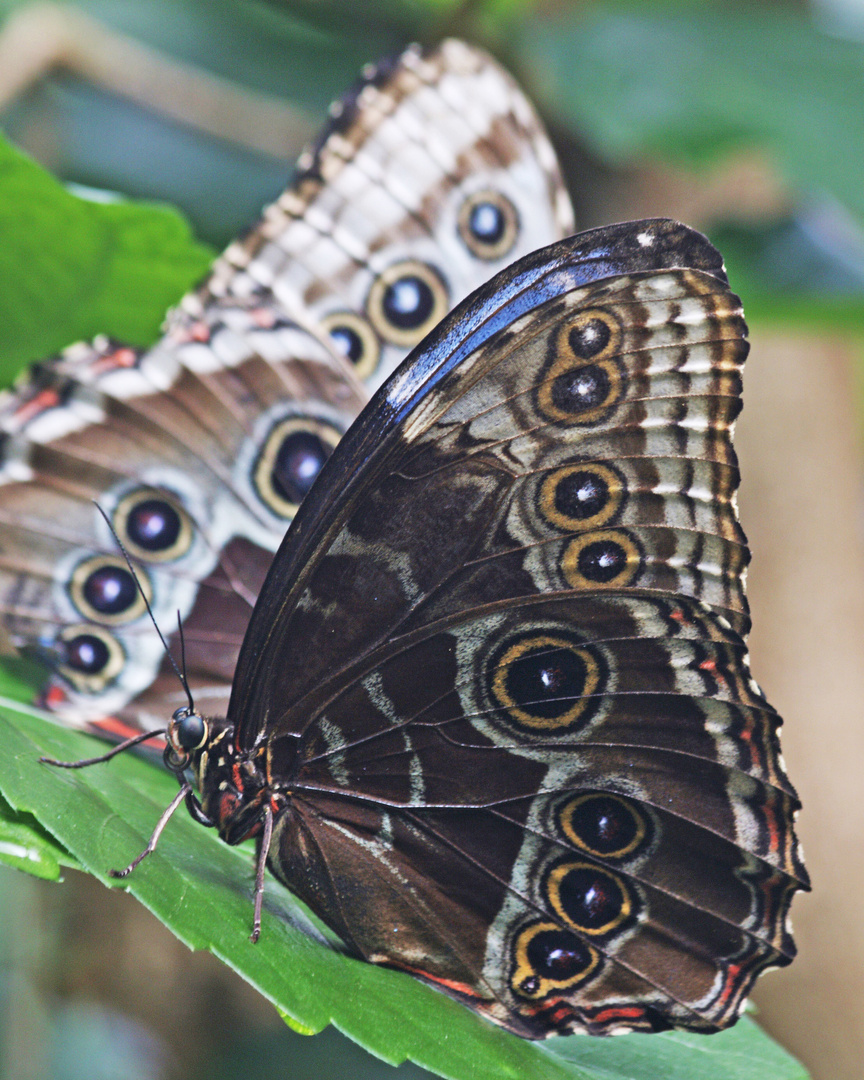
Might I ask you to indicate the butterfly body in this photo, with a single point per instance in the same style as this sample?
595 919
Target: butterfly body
494 697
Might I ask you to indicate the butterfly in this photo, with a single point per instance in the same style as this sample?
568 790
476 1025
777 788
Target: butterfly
493 718
201 448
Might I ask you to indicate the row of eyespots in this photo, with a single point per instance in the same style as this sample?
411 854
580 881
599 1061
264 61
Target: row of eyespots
588 900
547 681
583 379
410 297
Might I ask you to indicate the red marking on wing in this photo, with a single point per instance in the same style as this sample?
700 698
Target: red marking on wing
41 402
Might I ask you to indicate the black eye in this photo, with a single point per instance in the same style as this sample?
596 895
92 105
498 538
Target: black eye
488 224
103 589
188 730
153 525
291 460
406 301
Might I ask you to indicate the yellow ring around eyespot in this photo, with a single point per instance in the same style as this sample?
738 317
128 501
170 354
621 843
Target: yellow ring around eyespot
120 520
95 683
406 337
474 244
570 560
263 472
549 486
553 892
590 686
566 360
368 362
136 609
523 969
565 820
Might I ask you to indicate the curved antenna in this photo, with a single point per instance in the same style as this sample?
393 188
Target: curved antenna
180 675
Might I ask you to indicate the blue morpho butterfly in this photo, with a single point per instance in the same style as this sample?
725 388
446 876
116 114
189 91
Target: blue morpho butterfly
493 718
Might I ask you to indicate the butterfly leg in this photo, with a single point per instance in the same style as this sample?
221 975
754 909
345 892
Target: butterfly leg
118 749
185 789
259 873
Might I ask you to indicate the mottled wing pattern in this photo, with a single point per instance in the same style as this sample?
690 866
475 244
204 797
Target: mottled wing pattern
201 448
435 173
500 669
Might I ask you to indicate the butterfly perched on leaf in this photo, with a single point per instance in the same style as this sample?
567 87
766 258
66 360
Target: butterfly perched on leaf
492 717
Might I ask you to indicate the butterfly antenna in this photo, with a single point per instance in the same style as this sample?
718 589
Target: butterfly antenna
180 675
183 678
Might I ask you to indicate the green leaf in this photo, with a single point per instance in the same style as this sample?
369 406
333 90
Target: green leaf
72 268
690 81
25 845
202 890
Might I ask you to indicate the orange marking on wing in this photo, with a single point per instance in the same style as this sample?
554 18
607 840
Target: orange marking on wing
124 357
44 400
451 984
618 1012
55 696
732 973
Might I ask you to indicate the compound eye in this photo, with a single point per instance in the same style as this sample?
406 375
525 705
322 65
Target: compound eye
153 526
406 301
355 339
290 461
488 224
188 731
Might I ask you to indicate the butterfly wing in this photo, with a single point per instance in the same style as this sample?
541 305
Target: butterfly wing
217 431
499 661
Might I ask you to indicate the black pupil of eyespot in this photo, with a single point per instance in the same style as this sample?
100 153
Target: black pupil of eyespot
298 463
189 731
545 682
348 342
110 590
581 495
555 954
604 825
86 653
582 388
408 302
487 222
153 525
602 561
590 338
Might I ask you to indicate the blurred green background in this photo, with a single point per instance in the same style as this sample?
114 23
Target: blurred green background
745 120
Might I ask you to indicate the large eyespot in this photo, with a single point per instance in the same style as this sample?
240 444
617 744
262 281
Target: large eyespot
547 682
591 900
608 557
90 657
103 590
356 340
576 497
548 959
153 525
290 461
406 301
605 826
584 378
488 224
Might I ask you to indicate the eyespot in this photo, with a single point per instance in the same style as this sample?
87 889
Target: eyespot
488 224
103 590
90 657
605 826
584 378
608 557
587 897
546 681
406 301
354 339
581 496
292 457
153 526
548 959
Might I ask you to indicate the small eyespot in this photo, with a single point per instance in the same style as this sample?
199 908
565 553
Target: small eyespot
355 339
103 590
293 455
406 301
89 657
608 557
605 826
488 224
153 526
581 496
590 899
